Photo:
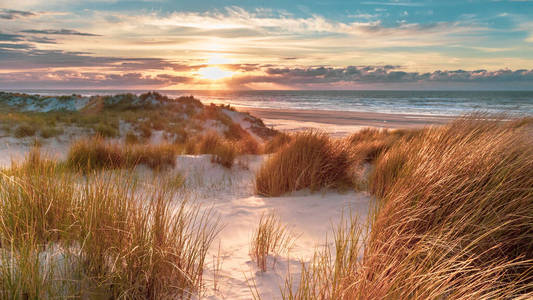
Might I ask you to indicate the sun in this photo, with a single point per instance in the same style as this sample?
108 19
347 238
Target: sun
214 73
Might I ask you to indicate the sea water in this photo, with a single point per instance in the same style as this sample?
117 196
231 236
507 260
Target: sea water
411 102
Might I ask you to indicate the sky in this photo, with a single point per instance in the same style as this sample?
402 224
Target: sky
241 45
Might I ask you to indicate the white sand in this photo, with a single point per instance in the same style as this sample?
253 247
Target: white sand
231 194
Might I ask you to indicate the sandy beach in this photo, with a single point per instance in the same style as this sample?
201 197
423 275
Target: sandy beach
340 123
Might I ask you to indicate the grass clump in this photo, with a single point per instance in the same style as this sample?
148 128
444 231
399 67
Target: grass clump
24 130
453 219
249 145
270 237
223 152
277 142
106 130
131 138
467 188
366 146
97 153
311 160
328 274
49 132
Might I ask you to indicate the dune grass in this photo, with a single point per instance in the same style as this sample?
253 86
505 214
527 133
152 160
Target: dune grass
311 160
327 274
223 151
67 236
98 153
453 220
270 237
277 142
24 130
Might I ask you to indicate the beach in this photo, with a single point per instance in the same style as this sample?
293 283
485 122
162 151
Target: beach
340 123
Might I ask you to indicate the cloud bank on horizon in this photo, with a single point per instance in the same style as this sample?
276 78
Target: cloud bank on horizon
329 44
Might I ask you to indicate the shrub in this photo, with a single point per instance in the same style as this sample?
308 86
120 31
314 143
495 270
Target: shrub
154 156
270 237
366 145
311 160
6 128
96 153
24 130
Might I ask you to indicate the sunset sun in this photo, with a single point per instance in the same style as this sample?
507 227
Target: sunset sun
214 73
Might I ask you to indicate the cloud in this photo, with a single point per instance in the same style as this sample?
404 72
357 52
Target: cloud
72 79
5 37
59 32
301 77
41 40
10 14
25 56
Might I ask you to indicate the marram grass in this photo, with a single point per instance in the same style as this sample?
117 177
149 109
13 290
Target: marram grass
121 241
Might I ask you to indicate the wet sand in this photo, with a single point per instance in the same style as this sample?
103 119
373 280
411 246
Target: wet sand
340 122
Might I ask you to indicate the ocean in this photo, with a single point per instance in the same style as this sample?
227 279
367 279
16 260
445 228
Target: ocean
412 102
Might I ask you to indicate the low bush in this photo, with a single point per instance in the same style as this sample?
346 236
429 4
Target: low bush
146 130
311 160
235 132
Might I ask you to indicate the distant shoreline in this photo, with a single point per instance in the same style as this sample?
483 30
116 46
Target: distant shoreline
340 122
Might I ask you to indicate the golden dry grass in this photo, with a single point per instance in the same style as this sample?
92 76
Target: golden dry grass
98 153
311 160
277 142
223 151
453 220
64 235
270 237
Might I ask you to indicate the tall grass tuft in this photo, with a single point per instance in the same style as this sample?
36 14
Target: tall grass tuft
277 142
223 151
328 274
270 237
97 153
311 160
453 220
121 240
